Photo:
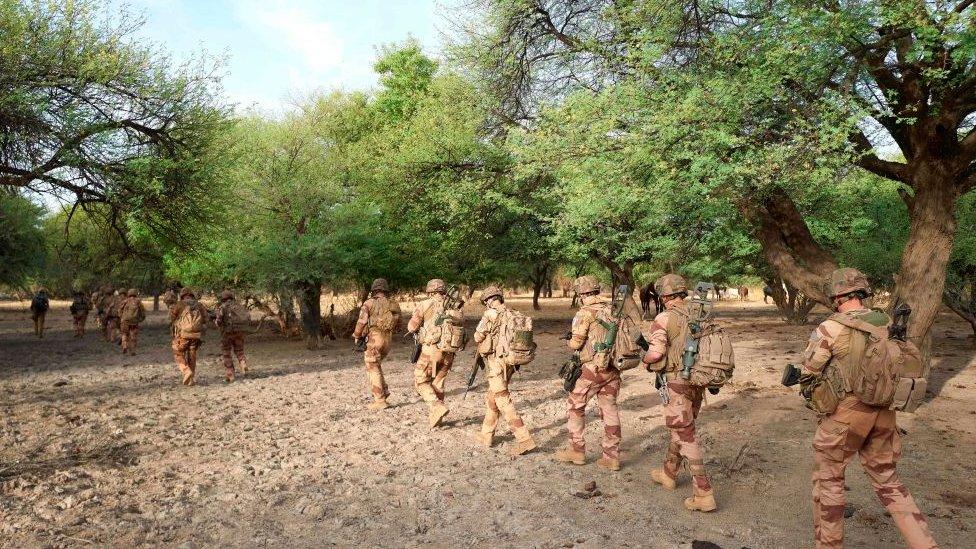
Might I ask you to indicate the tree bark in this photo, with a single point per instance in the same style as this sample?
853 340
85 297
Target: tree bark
309 303
540 274
156 301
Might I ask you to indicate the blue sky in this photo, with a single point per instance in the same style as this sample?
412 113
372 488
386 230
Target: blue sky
278 50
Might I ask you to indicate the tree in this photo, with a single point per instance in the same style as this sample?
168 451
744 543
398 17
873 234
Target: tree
92 114
21 238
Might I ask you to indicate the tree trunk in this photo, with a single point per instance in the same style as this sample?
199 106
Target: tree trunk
309 303
286 308
921 280
156 301
540 273
792 304
619 273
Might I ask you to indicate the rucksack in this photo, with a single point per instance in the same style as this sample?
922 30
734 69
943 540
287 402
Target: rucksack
882 371
444 329
192 321
236 318
627 351
79 306
39 304
715 360
131 313
381 315
514 344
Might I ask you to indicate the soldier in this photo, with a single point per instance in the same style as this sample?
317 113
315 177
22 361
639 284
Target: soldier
598 378
104 305
497 399
189 321
854 428
170 297
378 317
38 307
665 348
230 319
431 369
96 302
79 309
131 313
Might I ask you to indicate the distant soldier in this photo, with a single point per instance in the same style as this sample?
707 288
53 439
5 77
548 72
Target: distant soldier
599 378
96 300
430 371
131 314
233 320
498 372
854 428
378 317
665 348
104 305
189 322
38 307
170 297
79 309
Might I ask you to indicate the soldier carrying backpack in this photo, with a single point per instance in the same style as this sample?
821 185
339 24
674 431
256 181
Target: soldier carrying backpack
189 319
378 318
504 338
79 310
234 321
856 376
39 306
131 314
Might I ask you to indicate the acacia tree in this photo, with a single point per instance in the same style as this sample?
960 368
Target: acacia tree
91 114
21 238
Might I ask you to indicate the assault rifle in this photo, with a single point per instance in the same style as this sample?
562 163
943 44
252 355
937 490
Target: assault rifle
791 375
699 311
572 368
360 345
479 364
619 299
417 346
899 326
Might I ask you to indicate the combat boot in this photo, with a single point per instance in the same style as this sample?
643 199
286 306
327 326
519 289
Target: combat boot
661 477
379 404
486 439
243 365
523 446
568 455
437 413
702 500
609 463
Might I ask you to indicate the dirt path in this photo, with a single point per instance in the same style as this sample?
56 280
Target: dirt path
290 456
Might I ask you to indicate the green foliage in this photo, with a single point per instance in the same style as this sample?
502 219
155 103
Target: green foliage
21 239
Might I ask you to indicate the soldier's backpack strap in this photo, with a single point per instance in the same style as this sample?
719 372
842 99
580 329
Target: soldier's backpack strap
880 332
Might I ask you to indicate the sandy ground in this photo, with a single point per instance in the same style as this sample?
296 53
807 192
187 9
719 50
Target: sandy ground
119 454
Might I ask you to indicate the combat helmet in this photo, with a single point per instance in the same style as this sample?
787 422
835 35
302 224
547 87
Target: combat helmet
436 285
379 285
845 281
587 285
670 284
186 291
132 292
226 295
490 292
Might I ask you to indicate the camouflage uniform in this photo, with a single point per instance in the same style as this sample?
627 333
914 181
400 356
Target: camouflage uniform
110 313
231 342
185 346
79 313
855 428
170 298
498 401
596 380
667 334
39 314
430 371
377 339
130 328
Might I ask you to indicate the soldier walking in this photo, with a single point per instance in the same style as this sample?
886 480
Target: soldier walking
232 319
378 317
188 318
170 297
79 312
131 314
38 307
108 317
854 428
598 378
498 401
430 371
666 345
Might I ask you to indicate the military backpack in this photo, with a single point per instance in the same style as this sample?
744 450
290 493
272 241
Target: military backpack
514 343
192 320
131 311
381 315
235 318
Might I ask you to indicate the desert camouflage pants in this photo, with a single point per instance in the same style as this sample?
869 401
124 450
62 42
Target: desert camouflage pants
185 354
38 319
430 373
79 324
604 386
858 429
498 401
680 413
377 347
232 344
130 337
111 329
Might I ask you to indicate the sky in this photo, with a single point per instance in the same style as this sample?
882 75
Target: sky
280 50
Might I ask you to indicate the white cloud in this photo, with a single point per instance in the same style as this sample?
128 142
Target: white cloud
298 29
